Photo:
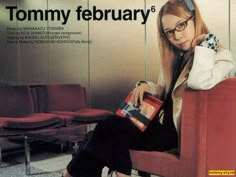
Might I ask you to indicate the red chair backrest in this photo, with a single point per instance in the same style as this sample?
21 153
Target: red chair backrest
16 101
64 97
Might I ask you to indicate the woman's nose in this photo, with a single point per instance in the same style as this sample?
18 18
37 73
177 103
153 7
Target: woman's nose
177 35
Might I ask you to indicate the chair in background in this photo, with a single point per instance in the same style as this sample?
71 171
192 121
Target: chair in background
18 115
70 100
25 108
207 136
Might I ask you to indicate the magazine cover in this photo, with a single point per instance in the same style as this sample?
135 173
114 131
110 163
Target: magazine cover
97 50
142 114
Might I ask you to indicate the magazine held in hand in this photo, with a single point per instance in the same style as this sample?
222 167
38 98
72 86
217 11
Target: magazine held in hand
140 115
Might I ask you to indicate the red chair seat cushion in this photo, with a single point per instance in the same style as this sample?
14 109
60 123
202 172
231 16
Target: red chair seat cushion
33 121
86 114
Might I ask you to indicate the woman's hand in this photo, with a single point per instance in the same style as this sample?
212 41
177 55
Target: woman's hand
138 92
197 40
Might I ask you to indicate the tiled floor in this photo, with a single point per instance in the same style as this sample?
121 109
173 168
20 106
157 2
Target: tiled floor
43 165
51 163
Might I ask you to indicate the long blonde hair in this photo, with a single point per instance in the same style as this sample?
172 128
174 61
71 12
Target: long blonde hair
168 52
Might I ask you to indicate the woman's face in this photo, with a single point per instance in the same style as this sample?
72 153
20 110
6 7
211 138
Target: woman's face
179 31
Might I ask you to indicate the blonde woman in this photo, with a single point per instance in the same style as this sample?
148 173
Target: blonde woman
191 57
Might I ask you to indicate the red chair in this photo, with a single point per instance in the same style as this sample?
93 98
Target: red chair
18 115
208 139
70 100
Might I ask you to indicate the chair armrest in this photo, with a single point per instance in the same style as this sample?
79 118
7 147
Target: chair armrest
208 128
194 131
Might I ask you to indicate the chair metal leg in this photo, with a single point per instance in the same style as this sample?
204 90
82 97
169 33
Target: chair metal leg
0 155
27 156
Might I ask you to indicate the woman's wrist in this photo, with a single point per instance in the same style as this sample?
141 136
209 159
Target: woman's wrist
140 82
144 83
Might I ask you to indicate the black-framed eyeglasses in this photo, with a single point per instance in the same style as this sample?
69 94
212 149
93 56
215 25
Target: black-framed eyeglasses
180 27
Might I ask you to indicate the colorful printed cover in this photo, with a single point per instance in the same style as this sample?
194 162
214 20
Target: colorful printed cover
141 115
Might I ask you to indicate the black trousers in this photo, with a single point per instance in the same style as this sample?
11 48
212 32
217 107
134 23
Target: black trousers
111 141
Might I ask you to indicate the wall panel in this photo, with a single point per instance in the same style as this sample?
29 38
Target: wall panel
116 54
216 16
9 52
32 57
69 61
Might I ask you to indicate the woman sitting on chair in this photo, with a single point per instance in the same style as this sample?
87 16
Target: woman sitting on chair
191 57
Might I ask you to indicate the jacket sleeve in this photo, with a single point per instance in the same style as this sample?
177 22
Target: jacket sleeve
209 68
157 89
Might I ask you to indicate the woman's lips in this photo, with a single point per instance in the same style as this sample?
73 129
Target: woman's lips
183 44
